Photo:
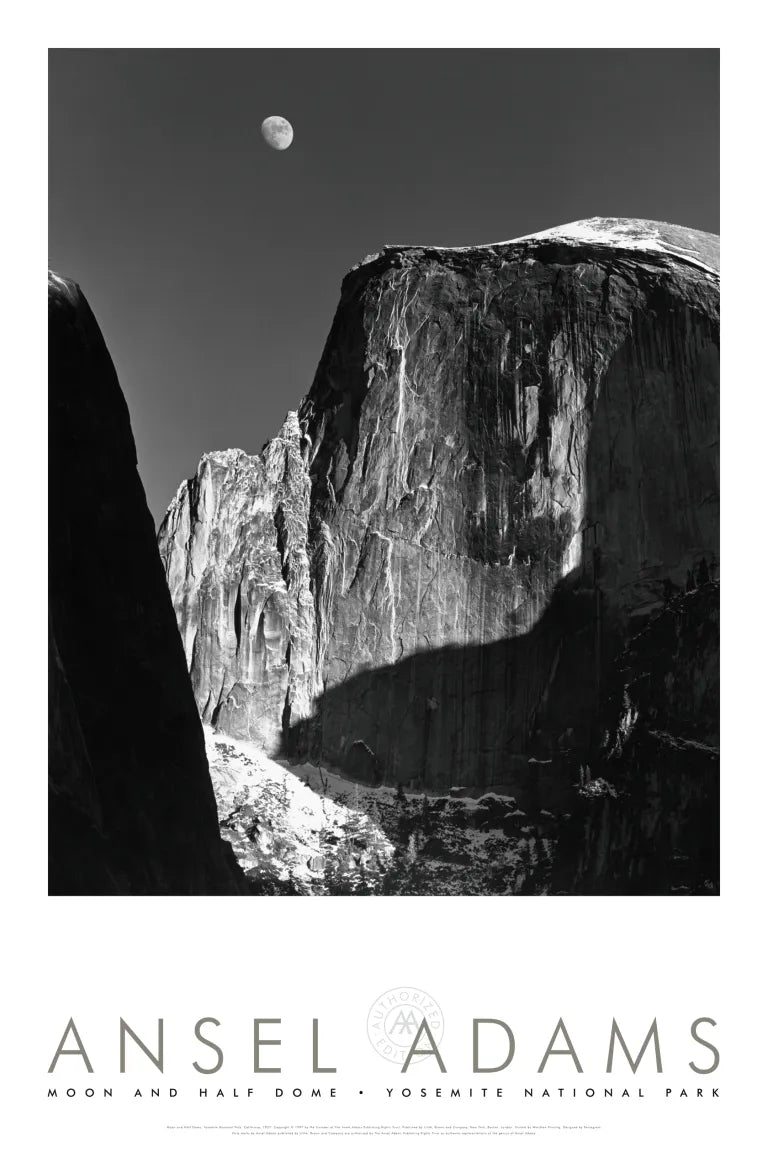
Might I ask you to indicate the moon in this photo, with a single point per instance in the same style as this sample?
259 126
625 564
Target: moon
278 132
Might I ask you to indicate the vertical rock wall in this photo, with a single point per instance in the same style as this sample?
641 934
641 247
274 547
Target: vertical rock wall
132 810
507 458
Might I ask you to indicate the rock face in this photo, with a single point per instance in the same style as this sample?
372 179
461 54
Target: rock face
505 467
132 810
235 547
648 822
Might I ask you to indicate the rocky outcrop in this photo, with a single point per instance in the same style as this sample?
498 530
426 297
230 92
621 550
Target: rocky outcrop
507 462
132 810
235 548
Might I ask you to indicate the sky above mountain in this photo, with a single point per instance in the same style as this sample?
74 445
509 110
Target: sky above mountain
213 262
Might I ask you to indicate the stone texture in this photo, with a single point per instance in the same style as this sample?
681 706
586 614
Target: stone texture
506 463
235 548
132 810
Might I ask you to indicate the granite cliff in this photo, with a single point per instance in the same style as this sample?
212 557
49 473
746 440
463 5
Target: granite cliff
505 468
131 806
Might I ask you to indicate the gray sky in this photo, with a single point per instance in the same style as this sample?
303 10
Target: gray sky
213 263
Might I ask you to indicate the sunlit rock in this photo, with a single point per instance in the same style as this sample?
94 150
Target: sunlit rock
506 463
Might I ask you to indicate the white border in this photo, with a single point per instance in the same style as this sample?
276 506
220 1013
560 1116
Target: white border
583 957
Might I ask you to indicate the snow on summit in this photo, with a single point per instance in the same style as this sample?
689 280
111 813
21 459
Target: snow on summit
702 248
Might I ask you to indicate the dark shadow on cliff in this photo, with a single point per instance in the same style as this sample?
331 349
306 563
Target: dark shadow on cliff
131 808
544 715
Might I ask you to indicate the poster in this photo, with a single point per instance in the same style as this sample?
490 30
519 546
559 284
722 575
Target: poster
623 1017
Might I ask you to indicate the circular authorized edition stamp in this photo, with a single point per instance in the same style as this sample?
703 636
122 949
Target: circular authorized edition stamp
398 1016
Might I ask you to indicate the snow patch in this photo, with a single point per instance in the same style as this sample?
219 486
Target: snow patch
303 829
637 235
618 232
282 831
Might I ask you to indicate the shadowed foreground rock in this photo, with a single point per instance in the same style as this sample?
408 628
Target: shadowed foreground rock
131 810
646 819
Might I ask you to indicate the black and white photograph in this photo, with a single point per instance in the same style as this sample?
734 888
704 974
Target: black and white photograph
384 472
368 463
